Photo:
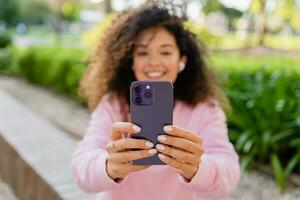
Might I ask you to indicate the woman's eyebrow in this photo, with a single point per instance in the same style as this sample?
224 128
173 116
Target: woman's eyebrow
167 45
145 46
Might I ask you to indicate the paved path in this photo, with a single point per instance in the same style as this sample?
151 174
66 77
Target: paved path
73 118
58 109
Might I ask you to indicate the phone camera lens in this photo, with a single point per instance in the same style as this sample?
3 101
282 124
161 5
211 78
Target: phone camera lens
148 94
138 100
137 89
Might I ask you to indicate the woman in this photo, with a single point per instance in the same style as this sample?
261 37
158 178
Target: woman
151 43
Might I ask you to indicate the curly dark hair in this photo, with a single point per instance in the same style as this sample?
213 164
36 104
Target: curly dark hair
111 66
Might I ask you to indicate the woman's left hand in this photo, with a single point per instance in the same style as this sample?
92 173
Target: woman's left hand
180 149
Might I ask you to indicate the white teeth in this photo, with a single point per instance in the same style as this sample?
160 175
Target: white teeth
154 74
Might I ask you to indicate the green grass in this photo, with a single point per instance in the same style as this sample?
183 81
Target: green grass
287 42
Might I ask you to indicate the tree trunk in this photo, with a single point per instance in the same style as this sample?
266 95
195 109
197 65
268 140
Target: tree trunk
263 25
263 30
108 6
57 30
249 33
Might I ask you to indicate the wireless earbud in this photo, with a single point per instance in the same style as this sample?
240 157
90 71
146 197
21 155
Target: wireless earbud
181 66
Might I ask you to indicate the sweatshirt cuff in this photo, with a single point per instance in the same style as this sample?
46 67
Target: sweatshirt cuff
202 177
102 175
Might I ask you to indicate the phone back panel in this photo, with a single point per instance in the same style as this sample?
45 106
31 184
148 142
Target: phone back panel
153 117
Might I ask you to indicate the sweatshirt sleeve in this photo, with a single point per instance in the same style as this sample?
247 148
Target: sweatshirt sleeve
219 171
89 159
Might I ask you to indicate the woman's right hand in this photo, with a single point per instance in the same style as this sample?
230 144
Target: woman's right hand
120 153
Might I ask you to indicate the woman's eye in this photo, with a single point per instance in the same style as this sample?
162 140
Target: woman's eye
166 53
141 53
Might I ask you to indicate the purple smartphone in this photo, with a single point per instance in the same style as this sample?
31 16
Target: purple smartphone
151 108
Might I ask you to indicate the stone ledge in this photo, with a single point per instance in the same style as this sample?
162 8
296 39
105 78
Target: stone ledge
35 155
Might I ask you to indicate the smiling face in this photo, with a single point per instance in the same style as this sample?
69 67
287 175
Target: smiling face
156 56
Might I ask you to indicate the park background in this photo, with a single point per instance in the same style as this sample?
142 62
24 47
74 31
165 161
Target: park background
253 46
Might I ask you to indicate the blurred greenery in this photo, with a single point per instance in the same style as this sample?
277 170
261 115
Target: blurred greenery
226 41
215 5
5 40
265 116
65 9
264 124
242 62
34 12
269 23
9 11
57 68
231 41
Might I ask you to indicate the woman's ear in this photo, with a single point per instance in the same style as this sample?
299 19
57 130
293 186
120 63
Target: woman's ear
183 59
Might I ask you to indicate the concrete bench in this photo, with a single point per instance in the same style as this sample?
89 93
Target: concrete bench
35 155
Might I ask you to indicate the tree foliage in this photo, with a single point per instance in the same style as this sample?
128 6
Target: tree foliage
65 9
214 5
9 11
34 11
289 11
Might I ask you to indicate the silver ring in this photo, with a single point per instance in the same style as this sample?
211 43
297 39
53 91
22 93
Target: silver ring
112 145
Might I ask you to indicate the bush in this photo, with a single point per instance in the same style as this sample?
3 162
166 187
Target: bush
57 68
5 40
264 123
8 58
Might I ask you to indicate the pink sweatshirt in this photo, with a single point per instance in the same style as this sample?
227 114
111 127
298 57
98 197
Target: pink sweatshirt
218 172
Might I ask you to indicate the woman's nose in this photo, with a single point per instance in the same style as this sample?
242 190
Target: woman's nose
154 60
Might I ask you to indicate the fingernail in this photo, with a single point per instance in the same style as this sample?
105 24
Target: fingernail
136 128
149 144
161 156
160 147
168 128
162 138
152 151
